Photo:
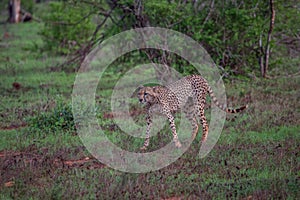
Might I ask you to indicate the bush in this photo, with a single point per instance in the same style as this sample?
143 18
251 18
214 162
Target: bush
229 30
60 118
67 28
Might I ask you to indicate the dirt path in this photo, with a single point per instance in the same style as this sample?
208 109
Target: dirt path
14 126
40 161
32 158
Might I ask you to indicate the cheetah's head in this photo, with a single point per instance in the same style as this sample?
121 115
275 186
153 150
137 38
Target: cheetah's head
147 94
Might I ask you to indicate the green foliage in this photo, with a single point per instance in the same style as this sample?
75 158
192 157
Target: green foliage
28 6
256 157
287 18
229 30
59 118
67 28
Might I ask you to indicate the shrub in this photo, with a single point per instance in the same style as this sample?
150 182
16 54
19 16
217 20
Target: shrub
67 28
59 118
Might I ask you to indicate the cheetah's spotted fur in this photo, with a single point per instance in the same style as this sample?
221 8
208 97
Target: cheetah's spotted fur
169 99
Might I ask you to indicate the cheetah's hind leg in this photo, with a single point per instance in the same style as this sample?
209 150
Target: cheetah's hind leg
189 111
199 107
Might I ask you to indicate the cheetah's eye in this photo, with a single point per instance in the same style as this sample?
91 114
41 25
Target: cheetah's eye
145 93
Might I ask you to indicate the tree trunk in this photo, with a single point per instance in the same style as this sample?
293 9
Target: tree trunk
261 57
163 71
267 55
14 9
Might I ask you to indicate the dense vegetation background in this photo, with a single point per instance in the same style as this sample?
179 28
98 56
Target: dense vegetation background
257 156
235 33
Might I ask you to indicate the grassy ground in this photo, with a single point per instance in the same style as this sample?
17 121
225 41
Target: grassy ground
41 156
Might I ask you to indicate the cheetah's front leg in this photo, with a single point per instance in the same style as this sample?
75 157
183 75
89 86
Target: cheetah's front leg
149 124
173 128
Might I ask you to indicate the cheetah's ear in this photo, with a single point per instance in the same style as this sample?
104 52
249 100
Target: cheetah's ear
136 91
140 87
154 89
154 92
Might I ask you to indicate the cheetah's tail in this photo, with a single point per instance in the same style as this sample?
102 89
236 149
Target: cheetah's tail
224 107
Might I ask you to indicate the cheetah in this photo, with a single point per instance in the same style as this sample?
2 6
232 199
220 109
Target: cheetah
166 100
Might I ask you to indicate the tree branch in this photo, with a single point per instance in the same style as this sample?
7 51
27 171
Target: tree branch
211 7
272 22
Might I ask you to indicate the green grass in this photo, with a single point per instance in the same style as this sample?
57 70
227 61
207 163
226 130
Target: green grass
256 155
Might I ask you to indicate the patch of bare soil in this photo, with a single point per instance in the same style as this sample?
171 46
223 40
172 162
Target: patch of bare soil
30 158
14 163
14 126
